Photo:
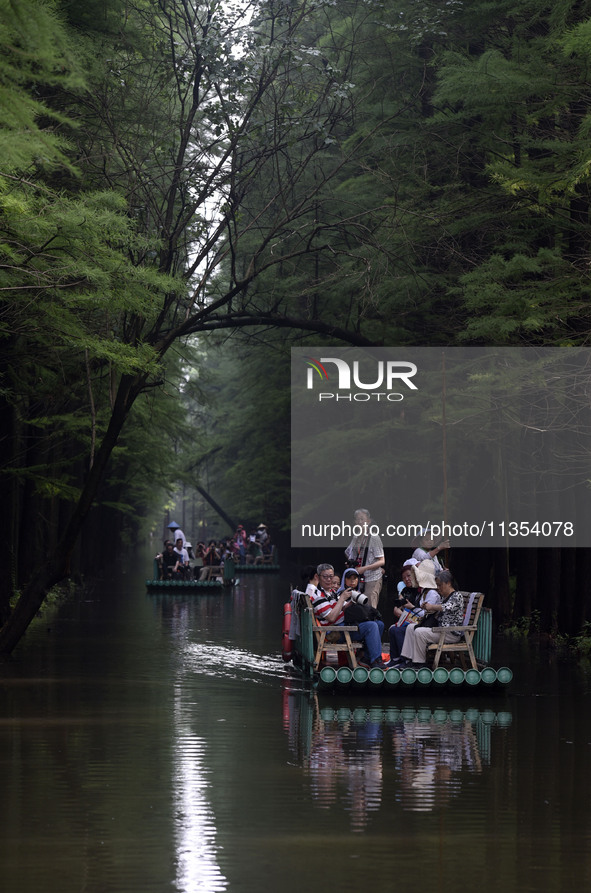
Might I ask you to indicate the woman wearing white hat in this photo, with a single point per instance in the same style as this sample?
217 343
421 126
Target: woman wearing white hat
449 612
423 582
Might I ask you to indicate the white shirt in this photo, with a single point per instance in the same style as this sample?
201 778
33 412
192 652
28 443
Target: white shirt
421 555
183 554
175 534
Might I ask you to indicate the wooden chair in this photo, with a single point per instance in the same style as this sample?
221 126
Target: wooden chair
472 608
268 558
324 634
210 572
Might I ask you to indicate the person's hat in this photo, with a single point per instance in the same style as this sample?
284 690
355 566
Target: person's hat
424 574
262 525
173 525
410 562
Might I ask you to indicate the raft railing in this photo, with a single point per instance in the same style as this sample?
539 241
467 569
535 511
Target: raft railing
482 643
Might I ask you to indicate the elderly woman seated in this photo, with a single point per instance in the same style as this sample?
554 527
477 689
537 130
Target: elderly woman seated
450 612
422 589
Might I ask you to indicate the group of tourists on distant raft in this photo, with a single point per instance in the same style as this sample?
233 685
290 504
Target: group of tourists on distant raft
427 598
179 561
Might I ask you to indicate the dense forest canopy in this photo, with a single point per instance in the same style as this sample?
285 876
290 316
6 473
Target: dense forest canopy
187 189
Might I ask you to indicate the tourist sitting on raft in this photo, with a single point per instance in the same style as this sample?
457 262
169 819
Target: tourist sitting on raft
254 551
158 558
226 550
263 540
183 564
421 592
240 543
170 563
262 536
212 562
199 553
330 609
449 612
408 591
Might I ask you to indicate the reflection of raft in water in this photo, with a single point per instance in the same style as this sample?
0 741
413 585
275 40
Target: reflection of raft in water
304 647
411 714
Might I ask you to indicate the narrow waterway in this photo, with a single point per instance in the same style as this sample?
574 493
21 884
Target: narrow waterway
156 742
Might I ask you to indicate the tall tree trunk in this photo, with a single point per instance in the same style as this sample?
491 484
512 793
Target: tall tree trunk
502 593
549 589
55 567
526 573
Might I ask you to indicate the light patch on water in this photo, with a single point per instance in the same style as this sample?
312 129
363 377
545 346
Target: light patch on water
197 870
227 661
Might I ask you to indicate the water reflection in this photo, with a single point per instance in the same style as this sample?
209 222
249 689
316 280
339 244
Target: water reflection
194 624
346 751
195 832
207 659
142 748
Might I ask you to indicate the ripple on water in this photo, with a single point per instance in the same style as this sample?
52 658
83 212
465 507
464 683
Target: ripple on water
227 661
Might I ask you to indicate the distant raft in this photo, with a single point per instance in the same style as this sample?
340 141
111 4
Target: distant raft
215 583
203 586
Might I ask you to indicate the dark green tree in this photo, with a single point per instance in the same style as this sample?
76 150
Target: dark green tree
142 237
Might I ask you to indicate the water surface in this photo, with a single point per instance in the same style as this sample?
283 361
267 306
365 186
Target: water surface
156 742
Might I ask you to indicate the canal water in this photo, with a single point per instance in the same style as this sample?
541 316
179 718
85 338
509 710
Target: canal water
156 742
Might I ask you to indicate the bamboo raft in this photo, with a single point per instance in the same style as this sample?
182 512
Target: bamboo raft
213 584
328 676
179 586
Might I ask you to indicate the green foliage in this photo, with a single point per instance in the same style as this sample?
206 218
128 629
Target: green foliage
35 52
528 292
463 184
581 644
525 626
